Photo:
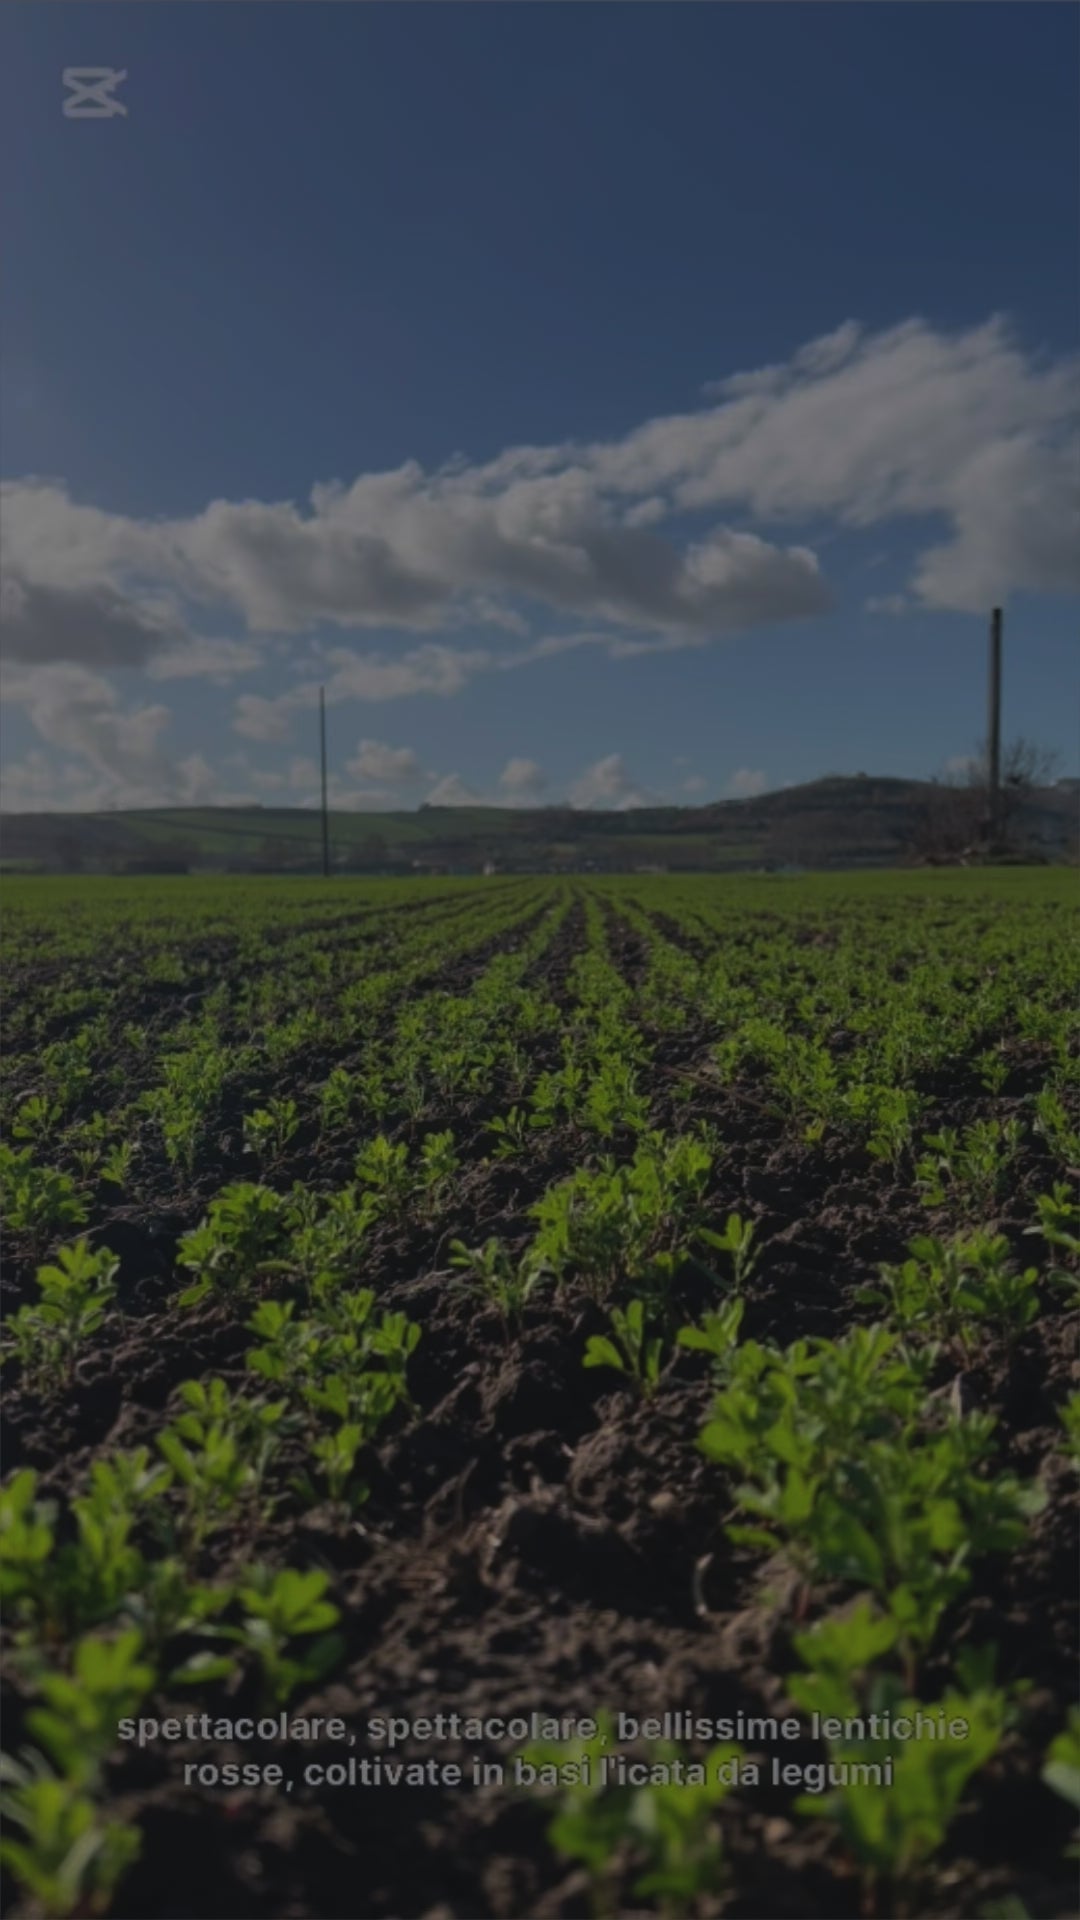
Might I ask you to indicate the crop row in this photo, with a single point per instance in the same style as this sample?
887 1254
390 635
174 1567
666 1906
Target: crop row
355 1096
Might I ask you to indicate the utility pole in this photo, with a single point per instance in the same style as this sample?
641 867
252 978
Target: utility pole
993 738
322 752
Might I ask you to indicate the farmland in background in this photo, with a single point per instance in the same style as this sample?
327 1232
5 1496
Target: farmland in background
839 821
652 1294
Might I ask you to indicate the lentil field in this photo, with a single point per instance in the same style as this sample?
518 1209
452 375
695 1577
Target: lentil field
487 1298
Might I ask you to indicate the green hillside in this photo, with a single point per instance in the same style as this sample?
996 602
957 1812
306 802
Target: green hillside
837 821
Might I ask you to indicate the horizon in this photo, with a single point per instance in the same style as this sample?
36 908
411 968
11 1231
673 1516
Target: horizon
670 460
311 811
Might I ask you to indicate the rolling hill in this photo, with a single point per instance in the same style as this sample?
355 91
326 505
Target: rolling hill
837 821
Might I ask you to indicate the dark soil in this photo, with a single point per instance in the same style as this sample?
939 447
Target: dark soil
539 1539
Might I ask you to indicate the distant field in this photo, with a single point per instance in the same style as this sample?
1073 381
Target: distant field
833 823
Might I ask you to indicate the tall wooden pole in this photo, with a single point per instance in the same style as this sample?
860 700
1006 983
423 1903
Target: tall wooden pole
993 742
322 752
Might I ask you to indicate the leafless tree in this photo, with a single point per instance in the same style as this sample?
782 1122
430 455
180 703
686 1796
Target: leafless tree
1025 767
955 823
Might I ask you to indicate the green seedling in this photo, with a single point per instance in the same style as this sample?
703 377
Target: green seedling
116 1165
76 1726
219 1451
384 1170
664 1831
993 1069
511 1132
76 1296
36 1118
892 1114
1053 1123
1059 1218
437 1168
955 1291
613 1101
717 1333
335 1457
490 1274
68 1857
37 1201
630 1350
182 1105
279 1608
61 1590
972 1166
737 1242
243 1239
268 1131
1061 1770
610 1226
1070 1420
892 1799
337 1097
837 1466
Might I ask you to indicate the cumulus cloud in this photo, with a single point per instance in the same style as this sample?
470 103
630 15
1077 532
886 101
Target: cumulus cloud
257 718
695 783
360 676
522 781
864 428
203 659
609 786
746 782
93 625
80 715
374 676
453 791
965 430
393 766
30 783
857 428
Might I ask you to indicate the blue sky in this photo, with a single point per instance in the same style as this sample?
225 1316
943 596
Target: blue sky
603 401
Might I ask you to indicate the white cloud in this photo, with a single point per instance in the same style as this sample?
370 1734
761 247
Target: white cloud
94 625
522 781
199 658
360 676
609 786
966 430
961 764
746 783
374 760
855 428
695 783
865 428
79 715
257 718
30 783
453 791
427 669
